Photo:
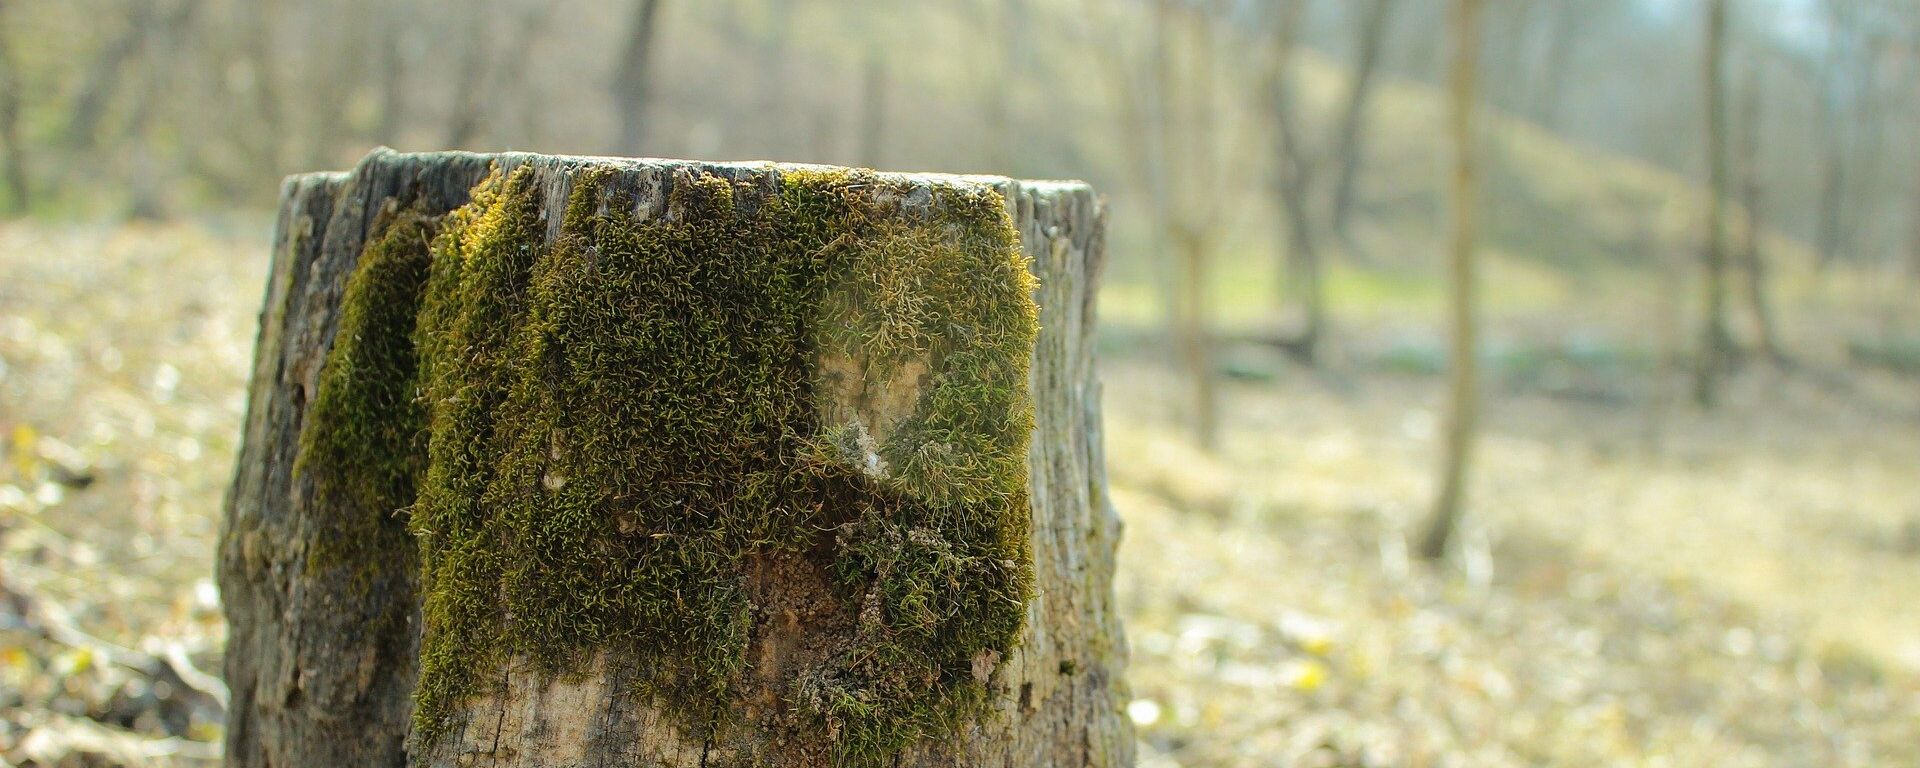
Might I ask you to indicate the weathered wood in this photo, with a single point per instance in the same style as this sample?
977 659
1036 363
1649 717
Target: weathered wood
322 662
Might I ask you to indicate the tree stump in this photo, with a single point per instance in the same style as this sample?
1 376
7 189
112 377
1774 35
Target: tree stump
557 461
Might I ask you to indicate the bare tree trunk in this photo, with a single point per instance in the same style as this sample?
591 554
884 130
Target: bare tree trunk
530 28
11 152
324 118
1668 312
1752 256
1012 17
1913 205
1193 335
483 80
1715 342
1830 238
1375 21
1830 235
1913 223
873 110
159 74
338 528
772 56
1186 114
1463 382
1569 16
1507 50
634 82
268 139
470 86
1142 109
1301 267
1861 237
392 73
104 73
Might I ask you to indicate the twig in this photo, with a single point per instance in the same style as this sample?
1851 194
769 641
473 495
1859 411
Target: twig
51 621
52 737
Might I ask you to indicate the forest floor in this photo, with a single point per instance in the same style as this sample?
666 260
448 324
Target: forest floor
1635 585
1639 583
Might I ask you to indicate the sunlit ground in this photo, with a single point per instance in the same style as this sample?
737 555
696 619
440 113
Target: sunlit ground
1638 583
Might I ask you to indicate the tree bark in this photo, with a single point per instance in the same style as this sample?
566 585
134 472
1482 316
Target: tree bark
323 660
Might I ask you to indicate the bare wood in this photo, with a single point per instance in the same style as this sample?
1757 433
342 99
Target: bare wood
322 677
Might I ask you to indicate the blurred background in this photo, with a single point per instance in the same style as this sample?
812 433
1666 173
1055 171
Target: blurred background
1690 526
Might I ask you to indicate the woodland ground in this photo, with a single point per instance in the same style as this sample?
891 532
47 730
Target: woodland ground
1640 583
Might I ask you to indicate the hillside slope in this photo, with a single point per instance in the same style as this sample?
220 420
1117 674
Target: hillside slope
1567 227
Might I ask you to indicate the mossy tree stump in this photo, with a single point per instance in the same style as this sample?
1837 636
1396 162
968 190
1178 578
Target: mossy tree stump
560 461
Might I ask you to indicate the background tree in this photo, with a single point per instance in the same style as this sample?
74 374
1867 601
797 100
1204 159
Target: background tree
1570 22
1371 28
106 71
873 111
1303 278
871 135
1013 56
632 83
11 152
1753 258
1716 344
1836 79
1463 382
1135 80
1301 184
1183 58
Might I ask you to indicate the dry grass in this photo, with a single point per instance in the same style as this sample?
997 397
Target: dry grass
1638 586
123 358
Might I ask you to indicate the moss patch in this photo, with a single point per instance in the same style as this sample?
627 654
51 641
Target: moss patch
621 423
365 446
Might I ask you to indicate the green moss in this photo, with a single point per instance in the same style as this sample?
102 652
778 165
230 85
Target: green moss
365 447
621 422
